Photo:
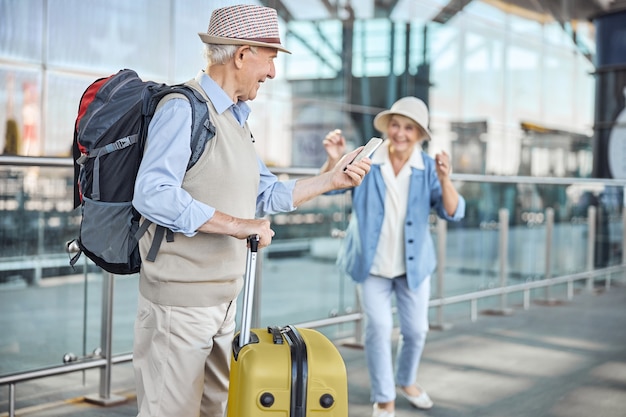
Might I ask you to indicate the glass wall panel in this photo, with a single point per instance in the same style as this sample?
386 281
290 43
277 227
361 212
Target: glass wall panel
556 36
48 309
523 26
483 76
584 94
371 48
126 290
474 249
107 36
37 212
44 303
185 49
64 92
40 324
418 50
558 107
21 29
526 89
20 110
482 64
315 48
399 54
300 281
447 92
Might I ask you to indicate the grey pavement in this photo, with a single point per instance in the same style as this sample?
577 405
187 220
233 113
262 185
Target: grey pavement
558 360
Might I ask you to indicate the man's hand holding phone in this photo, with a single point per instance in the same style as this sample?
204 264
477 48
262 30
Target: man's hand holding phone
367 151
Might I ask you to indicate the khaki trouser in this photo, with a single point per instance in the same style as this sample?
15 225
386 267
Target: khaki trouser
181 357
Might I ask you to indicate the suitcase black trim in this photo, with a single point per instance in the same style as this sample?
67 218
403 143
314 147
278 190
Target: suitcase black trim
299 371
236 348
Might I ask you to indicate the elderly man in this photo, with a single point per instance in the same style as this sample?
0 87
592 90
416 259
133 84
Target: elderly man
186 313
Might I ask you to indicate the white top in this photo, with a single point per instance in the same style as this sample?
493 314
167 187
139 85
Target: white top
389 260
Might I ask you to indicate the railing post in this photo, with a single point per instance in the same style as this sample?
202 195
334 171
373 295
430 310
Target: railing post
503 216
105 398
624 234
40 250
442 230
358 326
591 240
503 253
358 342
549 300
11 400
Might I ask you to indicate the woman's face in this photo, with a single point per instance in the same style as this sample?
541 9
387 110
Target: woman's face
404 133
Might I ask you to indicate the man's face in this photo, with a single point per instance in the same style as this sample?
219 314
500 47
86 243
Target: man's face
257 65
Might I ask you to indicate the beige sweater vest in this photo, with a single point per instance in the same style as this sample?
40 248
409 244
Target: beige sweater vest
207 269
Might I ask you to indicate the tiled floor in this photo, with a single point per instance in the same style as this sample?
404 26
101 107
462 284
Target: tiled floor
553 361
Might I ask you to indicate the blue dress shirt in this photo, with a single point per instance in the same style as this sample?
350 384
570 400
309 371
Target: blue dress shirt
159 196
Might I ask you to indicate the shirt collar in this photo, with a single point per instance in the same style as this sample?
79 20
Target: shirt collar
221 101
381 156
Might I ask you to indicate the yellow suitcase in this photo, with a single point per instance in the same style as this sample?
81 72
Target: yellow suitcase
283 371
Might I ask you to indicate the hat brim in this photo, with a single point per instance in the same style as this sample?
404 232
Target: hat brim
218 40
382 120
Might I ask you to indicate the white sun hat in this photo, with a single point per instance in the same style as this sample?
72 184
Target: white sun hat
411 107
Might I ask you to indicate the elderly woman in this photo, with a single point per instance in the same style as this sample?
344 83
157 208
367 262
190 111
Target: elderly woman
388 248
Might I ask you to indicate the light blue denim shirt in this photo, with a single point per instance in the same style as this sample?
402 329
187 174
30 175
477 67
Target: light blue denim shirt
159 196
368 209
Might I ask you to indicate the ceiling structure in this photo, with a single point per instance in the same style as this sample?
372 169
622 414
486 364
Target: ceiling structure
562 11
565 12
558 10
576 18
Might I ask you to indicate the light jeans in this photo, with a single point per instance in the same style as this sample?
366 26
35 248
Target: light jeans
376 302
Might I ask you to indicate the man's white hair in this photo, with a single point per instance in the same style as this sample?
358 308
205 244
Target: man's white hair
221 54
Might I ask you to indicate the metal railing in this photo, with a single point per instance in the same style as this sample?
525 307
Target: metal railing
103 359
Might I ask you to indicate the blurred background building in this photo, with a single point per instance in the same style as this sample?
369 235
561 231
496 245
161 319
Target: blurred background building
531 87
515 88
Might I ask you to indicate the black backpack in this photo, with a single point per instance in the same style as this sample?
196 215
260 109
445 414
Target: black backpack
109 138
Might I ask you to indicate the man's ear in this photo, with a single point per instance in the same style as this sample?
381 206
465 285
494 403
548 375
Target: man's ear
239 54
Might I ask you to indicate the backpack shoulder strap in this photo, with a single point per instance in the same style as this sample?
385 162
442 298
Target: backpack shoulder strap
202 130
197 89
168 97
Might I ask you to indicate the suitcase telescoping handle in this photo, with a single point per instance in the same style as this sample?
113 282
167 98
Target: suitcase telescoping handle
248 290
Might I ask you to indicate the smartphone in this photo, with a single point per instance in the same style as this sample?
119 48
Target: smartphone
367 150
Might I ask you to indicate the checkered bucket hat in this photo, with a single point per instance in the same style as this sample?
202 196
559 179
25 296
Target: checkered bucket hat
244 25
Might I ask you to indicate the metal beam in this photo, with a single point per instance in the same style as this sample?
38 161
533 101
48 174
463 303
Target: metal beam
332 9
280 7
314 51
450 10
383 8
